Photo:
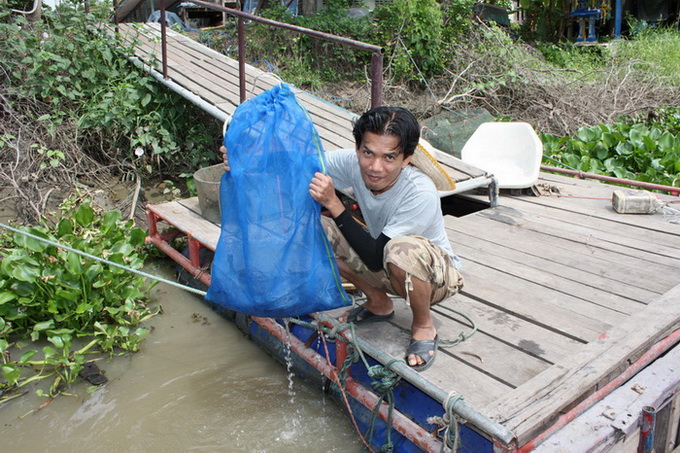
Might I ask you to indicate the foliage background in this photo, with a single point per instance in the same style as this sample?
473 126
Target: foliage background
76 111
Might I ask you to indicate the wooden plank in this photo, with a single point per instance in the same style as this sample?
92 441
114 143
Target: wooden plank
507 226
542 306
329 124
538 270
189 222
617 415
507 328
204 78
213 58
505 363
530 408
199 75
663 244
485 251
446 373
594 198
647 245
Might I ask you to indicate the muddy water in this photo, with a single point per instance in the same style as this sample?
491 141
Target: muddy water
197 385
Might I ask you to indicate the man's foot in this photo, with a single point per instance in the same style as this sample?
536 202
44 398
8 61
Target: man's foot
420 353
360 315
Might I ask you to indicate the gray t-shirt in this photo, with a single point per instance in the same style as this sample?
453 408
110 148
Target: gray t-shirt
411 206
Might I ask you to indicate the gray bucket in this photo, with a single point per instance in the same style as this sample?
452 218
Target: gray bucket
208 187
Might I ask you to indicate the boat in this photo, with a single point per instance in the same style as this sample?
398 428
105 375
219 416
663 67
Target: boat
567 327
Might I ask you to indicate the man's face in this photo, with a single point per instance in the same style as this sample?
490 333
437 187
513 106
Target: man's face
381 161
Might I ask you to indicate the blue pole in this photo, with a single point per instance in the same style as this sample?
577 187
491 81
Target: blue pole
618 14
647 427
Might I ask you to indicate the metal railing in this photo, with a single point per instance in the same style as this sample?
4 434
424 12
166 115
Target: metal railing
376 51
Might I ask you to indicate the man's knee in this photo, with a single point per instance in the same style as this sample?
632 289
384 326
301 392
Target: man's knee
410 255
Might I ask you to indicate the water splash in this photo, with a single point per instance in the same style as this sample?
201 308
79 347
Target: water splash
288 358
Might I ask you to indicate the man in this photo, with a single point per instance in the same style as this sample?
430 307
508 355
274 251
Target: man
403 249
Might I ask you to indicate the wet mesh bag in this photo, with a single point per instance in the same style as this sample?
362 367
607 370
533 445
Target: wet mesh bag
273 258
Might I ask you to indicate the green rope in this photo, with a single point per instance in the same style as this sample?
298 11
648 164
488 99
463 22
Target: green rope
462 336
383 381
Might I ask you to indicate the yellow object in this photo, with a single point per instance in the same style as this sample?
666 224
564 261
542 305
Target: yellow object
424 160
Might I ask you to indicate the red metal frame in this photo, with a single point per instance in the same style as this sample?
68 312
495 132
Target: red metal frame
161 240
675 191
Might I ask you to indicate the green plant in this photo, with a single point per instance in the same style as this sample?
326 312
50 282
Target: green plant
77 305
412 30
310 62
655 49
67 62
456 16
567 55
635 151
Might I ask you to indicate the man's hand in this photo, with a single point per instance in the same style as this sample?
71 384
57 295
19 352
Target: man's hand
225 157
323 191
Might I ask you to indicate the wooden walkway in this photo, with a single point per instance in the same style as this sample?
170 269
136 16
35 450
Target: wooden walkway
565 292
203 74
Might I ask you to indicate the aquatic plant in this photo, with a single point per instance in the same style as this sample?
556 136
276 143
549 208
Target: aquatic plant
58 307
643 149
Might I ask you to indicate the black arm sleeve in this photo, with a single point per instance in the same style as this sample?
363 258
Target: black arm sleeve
369 250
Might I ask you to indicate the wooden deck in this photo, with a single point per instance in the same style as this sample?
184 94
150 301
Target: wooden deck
565 292
200 73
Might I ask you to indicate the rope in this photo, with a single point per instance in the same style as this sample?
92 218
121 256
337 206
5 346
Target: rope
102 260
336 381
383 379
461 336
415 65
449 423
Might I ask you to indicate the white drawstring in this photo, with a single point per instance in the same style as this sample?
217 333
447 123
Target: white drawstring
408 286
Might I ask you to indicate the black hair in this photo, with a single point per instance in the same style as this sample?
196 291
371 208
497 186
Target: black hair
396 121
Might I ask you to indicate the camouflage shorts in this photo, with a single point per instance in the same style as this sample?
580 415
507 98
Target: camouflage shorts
416 255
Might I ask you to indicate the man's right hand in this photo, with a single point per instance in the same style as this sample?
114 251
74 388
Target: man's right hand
321 188
225 157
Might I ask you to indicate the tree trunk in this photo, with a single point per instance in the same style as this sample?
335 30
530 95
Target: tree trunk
307 7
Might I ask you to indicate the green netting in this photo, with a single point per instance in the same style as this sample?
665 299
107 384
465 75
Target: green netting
449 131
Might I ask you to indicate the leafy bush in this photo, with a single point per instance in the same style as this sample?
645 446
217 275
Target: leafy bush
456 18
66 61
413 32
53 294
638 151
567 55
306 61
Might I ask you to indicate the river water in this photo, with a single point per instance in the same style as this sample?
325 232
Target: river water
197 384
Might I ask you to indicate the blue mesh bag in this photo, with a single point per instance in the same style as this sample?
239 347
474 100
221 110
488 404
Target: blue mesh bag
273 258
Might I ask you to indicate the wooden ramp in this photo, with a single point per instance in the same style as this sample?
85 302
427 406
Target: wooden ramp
565 292
211 80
